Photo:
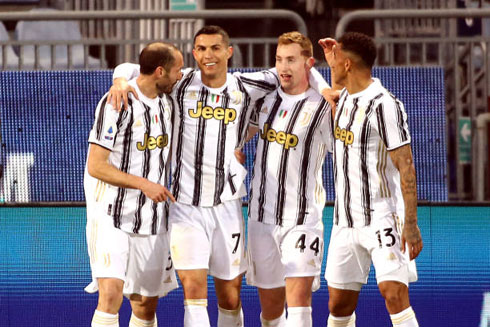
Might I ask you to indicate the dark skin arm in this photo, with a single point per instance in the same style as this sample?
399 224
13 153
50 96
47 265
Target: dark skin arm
411 238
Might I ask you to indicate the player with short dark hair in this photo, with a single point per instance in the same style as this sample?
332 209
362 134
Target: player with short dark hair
375 215
125 178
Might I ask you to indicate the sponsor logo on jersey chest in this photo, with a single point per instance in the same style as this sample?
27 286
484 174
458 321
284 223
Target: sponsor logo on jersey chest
286 139
344 135
150 142
227 115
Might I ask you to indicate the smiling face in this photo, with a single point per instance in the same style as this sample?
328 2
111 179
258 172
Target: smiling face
292 67
211 54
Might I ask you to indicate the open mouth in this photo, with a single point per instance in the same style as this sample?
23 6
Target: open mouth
286 77
210 64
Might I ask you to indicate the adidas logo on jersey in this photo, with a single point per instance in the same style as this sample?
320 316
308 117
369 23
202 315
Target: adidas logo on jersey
226 114
344 135
151 142
286 139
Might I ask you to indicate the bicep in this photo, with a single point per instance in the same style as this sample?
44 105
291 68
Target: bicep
98 156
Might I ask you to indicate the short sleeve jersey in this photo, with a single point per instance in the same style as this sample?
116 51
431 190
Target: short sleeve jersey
209 124
139 140
294 135
367 125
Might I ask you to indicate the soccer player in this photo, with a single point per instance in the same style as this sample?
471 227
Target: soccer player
206 226
285 229
125 178
375 215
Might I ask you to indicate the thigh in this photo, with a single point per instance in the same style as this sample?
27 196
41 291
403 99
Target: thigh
384 241
150 271
302 251
228 257
266 269
348 263
108 249
190 237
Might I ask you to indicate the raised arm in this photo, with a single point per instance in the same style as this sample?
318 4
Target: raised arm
403 161
120 87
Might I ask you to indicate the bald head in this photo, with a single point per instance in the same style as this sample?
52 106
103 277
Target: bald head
155 55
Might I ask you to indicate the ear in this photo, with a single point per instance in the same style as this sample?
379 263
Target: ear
194 54
310 62
348 64
230 52
160 71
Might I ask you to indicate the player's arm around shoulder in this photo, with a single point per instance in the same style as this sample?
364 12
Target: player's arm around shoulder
403 160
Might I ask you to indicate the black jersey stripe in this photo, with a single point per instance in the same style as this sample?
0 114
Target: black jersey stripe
281 193
320 112
257 107
347 191
365 183
219 181
265 86
263 166
100 118
145 169
124 167
180 94
400 120
382 125
244 118
161 166
199 151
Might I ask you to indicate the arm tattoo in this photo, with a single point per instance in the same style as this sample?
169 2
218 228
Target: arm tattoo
402 159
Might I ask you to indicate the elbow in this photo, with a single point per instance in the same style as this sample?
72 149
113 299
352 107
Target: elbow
93 169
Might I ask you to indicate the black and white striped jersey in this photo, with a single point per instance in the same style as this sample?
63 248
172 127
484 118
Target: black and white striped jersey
295 132
209 124
139 140
366 126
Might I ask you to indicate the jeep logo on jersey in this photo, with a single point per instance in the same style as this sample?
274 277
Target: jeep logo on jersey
286 139
227 115
151 142
344 135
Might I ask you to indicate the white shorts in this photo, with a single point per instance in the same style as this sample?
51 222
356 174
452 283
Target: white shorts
209 238
351 251
141 261
276 253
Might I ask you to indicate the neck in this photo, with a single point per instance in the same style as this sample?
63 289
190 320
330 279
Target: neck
214 81
358 81
147 86
298 89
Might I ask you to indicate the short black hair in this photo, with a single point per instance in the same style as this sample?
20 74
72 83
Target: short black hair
213 29
361 45
155 55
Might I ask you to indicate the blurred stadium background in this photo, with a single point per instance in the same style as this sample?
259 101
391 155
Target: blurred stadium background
57 58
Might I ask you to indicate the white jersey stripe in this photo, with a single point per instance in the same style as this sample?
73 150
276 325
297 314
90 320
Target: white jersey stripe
100 119
145 168
219 181
179 148
199 151
263 167
346 165
284 164
306 157
125 161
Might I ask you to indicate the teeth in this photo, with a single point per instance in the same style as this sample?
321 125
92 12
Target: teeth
211 64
